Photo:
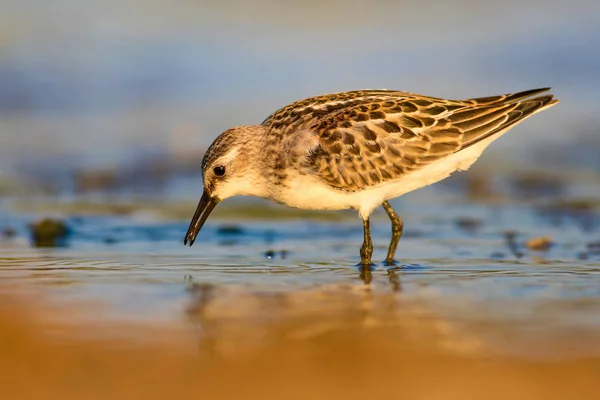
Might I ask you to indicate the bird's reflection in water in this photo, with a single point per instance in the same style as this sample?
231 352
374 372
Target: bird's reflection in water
219 313
202 295
366 275
394 279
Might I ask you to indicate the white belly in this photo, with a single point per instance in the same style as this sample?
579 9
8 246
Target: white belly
310 193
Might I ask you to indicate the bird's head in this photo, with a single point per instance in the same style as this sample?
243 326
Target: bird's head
231 167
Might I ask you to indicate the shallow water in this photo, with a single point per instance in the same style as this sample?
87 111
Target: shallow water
459 263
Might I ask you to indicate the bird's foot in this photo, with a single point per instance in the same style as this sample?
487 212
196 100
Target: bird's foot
368 265
391 263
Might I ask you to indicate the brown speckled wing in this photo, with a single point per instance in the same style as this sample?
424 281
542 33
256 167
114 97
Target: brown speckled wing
304 113
374 136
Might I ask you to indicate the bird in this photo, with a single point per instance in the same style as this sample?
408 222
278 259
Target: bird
357 150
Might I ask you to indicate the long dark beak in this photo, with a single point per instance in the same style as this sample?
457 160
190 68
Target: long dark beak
206 205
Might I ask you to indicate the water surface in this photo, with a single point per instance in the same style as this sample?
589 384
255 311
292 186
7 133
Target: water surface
468 265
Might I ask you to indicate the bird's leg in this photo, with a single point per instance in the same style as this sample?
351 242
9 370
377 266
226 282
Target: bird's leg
397 227
366 250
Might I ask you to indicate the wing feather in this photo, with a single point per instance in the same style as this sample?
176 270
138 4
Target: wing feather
367 137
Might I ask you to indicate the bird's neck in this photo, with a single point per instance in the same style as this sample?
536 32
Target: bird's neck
255 157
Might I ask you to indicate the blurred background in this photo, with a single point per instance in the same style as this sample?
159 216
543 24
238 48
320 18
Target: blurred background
124 96
106 109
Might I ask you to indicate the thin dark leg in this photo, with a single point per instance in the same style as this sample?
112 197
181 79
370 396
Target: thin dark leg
366 250
397 227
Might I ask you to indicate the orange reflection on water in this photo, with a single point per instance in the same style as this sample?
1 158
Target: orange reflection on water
355 346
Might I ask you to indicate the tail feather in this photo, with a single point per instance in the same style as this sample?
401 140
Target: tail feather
506 98
523 110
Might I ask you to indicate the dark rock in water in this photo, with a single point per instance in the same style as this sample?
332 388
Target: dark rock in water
110 240
49 233
468 224
270 254
230 230
8 233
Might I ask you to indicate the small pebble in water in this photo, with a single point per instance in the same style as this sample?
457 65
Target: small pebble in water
48 233
539 244
269 254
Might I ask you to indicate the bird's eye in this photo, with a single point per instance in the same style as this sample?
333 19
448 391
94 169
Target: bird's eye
219 170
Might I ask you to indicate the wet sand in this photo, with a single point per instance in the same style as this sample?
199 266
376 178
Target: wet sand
357 346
